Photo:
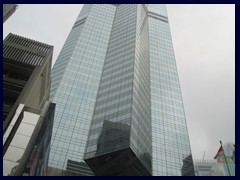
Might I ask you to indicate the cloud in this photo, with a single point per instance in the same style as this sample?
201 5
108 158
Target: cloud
204 43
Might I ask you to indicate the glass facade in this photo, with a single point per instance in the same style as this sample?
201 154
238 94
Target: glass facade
75 80
117 92
170 141
122 117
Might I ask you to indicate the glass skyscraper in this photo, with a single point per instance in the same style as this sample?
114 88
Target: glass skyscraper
119 105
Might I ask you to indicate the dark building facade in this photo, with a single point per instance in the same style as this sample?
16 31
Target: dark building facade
27 113
8 10
188 166
123 162
119 105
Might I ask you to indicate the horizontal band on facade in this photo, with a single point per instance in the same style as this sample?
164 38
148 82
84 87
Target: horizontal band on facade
157 16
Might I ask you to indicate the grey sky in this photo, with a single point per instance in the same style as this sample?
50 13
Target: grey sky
204 42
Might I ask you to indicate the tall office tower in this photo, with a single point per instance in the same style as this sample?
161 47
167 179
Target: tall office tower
27 113
119 105
8 10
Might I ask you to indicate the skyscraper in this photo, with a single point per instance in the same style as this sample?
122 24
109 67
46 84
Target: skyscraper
119 104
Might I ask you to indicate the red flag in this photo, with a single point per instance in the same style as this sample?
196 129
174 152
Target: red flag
219 153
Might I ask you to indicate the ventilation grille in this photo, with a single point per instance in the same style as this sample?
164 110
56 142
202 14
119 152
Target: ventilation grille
18 40
21 55
25 50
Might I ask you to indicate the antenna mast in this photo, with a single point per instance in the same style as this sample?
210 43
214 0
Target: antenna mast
203 155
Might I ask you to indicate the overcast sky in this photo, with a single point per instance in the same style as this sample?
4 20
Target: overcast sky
204 43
